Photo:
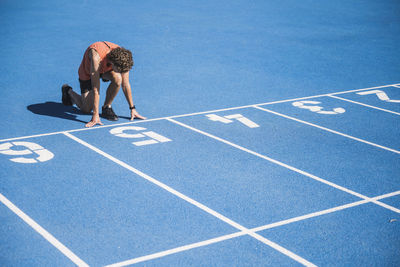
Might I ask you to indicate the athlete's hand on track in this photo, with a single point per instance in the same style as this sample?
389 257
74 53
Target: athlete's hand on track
95 120
135 114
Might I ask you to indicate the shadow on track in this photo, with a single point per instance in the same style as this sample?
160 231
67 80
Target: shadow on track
54 109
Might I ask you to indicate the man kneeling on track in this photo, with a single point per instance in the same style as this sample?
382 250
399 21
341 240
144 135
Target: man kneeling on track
111 63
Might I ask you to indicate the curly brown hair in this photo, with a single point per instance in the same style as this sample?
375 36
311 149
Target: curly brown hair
121 58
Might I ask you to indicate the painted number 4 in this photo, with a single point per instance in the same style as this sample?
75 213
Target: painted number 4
41 153
230 118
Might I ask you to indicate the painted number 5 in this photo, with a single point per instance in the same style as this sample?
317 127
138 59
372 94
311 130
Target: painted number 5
318 109
155 138
31 148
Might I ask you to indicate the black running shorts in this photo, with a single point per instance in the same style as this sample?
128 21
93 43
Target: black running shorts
86 85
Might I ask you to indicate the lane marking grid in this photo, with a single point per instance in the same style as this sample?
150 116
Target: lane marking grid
241 233
193 202
242 230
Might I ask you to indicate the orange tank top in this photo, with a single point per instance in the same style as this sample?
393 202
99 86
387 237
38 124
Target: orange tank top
102 48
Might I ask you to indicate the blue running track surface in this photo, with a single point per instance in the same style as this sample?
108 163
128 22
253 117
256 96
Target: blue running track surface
272 136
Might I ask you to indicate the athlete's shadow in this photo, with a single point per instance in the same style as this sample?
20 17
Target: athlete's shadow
55 109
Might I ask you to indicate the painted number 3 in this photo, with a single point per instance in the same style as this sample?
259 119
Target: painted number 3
41 153
318 109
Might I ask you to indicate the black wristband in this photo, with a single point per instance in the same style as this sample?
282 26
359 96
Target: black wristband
133 107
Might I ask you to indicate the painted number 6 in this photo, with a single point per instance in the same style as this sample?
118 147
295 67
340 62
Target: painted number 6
31 148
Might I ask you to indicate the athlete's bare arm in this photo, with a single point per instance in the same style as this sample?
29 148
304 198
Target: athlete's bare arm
95 79
126 87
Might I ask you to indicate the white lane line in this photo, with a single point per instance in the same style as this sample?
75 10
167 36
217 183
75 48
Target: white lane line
46 235
362 89
387 195
195 113
30 136
323 212
314 177
329 130
238 234
193 202
362 104
176 250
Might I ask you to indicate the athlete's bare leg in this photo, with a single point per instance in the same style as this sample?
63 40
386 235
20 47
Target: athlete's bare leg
113 88
84 102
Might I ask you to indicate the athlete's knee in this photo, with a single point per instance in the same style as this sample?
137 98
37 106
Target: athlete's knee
86 108
86 101
117 79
